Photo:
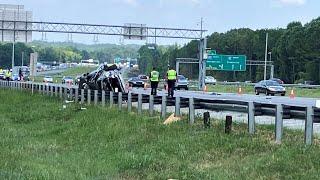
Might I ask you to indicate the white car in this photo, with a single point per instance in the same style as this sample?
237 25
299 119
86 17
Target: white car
210 80
48 79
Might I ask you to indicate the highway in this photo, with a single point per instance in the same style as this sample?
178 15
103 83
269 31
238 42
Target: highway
297 101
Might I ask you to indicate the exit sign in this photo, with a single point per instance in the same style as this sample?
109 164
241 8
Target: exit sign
226 62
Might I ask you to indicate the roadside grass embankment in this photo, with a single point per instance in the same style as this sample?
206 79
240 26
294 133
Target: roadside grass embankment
41 140
72 72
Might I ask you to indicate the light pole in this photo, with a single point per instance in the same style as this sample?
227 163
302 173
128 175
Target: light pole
12 57
265 58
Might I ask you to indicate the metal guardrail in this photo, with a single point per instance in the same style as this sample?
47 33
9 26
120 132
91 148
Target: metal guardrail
279 111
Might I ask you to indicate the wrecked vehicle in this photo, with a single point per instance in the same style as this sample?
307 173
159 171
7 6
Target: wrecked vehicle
106 78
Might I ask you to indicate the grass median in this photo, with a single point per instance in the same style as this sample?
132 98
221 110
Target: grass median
41 140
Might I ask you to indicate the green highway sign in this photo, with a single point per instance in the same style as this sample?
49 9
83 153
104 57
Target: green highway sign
226 62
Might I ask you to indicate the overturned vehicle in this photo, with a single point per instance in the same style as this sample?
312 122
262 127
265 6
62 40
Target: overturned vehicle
106 78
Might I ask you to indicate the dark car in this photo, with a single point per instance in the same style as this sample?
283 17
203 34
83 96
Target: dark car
136 82
269 87
277 80
182 83
143 77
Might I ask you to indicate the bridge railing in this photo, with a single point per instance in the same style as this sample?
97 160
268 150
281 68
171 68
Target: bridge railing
252 109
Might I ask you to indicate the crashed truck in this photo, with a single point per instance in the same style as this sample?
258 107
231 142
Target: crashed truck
106 77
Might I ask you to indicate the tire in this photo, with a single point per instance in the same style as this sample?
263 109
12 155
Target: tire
186 88
283 94
256 91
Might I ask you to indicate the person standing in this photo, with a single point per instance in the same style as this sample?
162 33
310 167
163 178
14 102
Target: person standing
154 79
20 74
8 75
171 80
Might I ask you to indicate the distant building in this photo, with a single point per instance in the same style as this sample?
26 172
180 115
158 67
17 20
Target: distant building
10 12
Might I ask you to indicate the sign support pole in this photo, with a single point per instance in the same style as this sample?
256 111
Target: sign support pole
202 63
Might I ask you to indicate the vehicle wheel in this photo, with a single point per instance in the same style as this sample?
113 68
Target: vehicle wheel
272 94
256 91
283 94
186 88
178 88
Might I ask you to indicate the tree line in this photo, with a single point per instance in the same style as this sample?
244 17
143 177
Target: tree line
295 52
64 52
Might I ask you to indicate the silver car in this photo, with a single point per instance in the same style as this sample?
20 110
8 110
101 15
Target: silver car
182 83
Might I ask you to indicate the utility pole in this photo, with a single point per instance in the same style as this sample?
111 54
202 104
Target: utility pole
265 58
22 57
12 58
202 61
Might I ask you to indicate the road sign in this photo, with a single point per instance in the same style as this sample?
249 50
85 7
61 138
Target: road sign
226 62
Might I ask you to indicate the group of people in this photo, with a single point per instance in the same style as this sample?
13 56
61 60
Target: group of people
8 74
171 80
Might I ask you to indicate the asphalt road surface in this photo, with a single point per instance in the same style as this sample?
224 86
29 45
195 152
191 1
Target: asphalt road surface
297 101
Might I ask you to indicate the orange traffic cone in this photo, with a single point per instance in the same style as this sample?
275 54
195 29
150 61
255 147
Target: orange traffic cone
240 90
292 95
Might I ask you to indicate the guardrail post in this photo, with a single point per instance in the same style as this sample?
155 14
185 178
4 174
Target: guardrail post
129 101
82 96
111 99
119 100
251 118
95 97
88 96
56 92
177 107
309 126
76 95
163 106
191 111
151 104
51 90
47 89
60 91
71 92
103 98
39 88
65 92
279 123
139 104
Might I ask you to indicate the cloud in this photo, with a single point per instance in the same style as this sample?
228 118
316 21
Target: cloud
292 2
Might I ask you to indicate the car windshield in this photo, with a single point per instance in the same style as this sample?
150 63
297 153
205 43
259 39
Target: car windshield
143 77
48 77
135 79
181 78
272 83
209 77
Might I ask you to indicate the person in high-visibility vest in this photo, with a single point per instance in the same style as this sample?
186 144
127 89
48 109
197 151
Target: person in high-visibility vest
171 80
154 79
8 75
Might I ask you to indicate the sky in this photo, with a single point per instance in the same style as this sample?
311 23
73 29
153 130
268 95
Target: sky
218 15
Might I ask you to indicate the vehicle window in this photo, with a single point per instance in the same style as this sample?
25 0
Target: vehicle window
181 78
272 83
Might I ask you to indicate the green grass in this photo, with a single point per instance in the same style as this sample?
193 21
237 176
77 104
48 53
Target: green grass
72 72
299 92
40 140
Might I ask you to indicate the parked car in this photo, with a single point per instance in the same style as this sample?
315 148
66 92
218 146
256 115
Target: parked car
67 80
48 79
277 80
15 77
136 82
210 80
143 77
269 87
182 83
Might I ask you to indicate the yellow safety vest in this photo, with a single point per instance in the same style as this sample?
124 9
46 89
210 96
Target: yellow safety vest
8 74
154 76
172 74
